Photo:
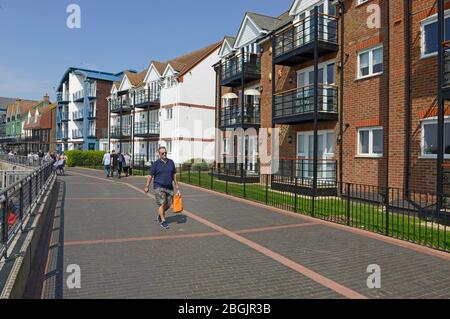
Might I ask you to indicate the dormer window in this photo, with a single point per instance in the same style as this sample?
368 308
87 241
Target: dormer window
171 81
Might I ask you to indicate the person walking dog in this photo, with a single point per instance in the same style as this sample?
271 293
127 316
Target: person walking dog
163 174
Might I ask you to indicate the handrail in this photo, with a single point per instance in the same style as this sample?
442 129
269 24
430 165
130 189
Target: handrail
305 86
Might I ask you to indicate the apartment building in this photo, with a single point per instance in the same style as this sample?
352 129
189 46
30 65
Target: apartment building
355 98
14 132
168 104
38 128
82 112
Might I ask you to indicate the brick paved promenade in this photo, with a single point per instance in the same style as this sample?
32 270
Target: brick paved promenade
219 248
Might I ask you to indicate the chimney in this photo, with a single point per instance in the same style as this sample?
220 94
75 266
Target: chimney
46 98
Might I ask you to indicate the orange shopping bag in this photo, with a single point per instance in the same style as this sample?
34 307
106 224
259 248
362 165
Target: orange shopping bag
177 204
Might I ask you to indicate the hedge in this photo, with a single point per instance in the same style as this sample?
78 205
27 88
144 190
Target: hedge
84 158
195 164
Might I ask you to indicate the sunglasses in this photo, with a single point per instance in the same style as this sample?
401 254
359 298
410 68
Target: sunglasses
165 153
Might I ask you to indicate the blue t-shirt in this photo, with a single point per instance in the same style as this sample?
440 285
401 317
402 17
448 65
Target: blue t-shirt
163 174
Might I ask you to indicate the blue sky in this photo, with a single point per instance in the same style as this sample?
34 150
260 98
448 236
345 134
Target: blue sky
36 47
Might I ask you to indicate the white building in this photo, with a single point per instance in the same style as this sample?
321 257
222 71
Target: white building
169 104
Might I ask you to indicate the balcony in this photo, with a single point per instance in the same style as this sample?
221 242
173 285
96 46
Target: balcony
64 116
77 116
143 129
120 106
295 45
78 96
117 133
446 76
92 133
62 98
77 134
297 106
235 116
92 115
147 99
142 160
246 172
246 67
297 176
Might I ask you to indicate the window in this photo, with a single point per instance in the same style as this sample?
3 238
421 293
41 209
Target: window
429 31
429 138
169 146
169 113
370 142
370 62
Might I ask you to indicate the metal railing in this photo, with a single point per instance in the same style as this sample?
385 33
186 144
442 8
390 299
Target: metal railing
446 63
144 128
8 178
77 134
116 132
24 161
18 201
62 98
144 97
232 67
64 116
301 100
237 115
120 105
412 217
300 172
77 116
303 33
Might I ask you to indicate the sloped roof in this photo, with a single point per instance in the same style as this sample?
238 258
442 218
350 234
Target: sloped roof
186 62
264 22
22 106
230 40
44 119
159 66
136 79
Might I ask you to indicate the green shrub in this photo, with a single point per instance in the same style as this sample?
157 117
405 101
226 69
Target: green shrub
195 164
84 158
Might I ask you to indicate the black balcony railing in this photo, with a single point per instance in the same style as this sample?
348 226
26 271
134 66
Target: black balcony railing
143 128
301 171
120 105
446 64
145 97
300 102
249 115
247 65
118 132
303 34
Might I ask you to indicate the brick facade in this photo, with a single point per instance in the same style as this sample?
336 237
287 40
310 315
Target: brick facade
373 101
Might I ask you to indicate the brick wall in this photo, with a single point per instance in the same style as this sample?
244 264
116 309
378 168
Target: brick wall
103 91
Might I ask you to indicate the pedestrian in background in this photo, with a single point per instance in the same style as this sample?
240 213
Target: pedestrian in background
127 163
107 163
114 162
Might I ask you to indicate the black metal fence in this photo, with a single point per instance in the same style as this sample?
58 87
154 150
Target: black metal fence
18 201
412 217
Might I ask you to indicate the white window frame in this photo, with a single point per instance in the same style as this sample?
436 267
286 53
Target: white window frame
169 146
323 132
370 51
430 120
423 23
169 114
370 129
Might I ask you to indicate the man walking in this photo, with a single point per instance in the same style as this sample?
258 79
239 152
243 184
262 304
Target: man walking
163 174
106 163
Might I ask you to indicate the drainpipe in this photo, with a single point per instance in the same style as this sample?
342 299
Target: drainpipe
341 8
440 156
406 5
316 106
388 101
